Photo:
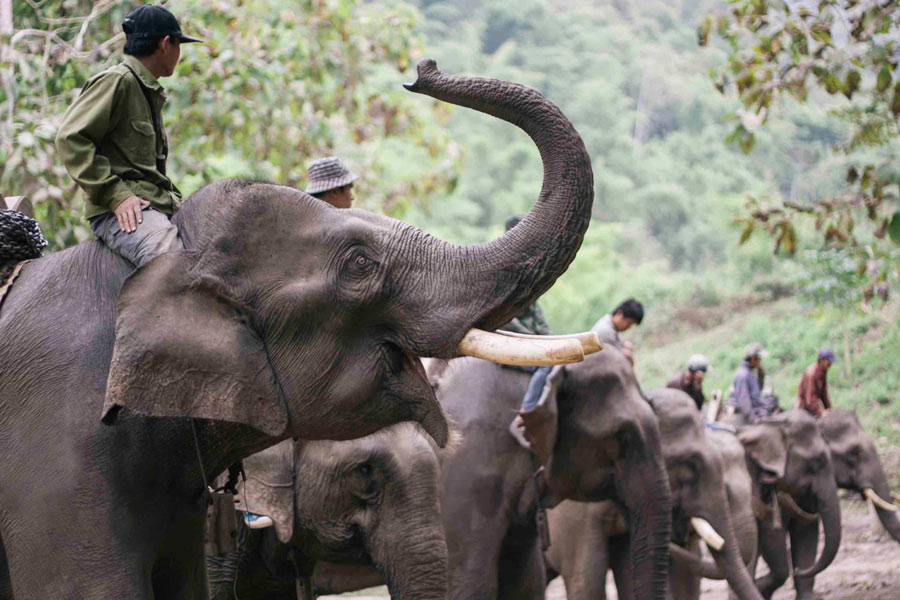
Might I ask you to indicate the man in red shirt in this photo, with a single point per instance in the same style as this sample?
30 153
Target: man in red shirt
812 395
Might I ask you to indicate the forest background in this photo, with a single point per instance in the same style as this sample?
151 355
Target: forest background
281 82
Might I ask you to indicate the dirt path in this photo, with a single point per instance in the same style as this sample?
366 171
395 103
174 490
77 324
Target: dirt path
867 567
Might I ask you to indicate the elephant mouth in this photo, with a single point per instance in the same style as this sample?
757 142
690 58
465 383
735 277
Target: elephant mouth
415 364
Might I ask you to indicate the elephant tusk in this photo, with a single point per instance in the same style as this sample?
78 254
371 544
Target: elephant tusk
707 533
589 340
522 352
878 501
895 496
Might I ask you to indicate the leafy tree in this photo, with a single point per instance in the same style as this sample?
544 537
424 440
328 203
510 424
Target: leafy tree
840 53
276 84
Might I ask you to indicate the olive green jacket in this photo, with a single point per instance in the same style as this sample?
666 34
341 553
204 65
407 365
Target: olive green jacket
108 145
530 321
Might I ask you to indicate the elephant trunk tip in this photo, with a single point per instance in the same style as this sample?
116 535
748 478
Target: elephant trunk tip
426 69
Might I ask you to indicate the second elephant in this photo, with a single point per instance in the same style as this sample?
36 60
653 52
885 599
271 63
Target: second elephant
372 501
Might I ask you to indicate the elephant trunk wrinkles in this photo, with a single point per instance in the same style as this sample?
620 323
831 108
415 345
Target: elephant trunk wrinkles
500 278
414 568
649 509
729 560
830 514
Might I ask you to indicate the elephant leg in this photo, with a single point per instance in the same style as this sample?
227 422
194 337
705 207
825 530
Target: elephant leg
585 577
804 543
773 549
521 573
473 558
620 560
683 584
5 581
180 567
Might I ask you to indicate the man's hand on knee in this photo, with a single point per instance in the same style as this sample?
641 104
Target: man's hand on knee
129 214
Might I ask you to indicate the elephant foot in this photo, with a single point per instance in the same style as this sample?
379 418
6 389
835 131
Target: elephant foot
768 584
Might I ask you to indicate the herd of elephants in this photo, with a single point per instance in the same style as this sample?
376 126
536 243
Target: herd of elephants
288 334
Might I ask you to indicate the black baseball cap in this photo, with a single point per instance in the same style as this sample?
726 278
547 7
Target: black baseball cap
149 21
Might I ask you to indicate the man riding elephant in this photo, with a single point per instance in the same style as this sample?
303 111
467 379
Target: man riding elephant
113 143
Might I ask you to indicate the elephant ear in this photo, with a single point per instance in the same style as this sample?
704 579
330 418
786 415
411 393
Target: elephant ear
184 348
767 446
269 488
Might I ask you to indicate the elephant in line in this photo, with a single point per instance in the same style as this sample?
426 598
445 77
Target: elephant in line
586 537
786 453
690 568
281 317
606 447
857 466
371 501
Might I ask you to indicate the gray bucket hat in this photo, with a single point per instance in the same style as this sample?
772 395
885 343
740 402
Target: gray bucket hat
326 174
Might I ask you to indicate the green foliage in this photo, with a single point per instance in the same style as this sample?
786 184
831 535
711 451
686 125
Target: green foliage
276 84
830 277
835 53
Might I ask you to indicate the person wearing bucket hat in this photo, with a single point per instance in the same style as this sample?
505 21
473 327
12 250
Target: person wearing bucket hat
812 395
748 400
113 143
329 180
690 381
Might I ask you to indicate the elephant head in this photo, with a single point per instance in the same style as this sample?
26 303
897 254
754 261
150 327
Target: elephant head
300 319
371 501
787 453
608 448
857 466
700 498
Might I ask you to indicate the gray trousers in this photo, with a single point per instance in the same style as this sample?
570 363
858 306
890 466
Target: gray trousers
153 237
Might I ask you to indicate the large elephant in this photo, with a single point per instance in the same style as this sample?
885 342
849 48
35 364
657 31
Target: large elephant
282 317
786 453
586 535
371 501
606 447
857 466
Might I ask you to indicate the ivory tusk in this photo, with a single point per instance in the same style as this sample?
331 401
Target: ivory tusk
895 496
707 533
537 351
589 340
878 501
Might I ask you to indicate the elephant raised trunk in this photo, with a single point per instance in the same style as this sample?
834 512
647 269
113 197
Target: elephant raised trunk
488 284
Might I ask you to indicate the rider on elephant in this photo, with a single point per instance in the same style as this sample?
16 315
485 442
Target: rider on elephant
812 395
113 143
690 381
748 399
544 380
329 180
609 328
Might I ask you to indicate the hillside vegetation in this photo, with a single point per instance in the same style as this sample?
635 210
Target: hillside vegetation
635 83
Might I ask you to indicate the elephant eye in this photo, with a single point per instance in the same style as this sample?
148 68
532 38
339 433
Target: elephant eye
365 470
359 263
